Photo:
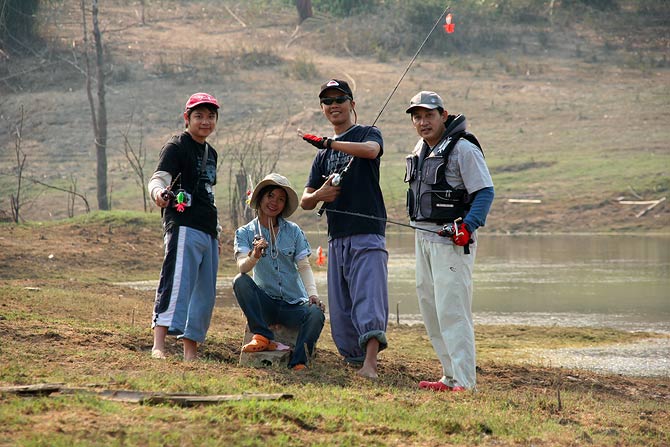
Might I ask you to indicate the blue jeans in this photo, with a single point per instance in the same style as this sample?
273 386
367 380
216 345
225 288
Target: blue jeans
262 310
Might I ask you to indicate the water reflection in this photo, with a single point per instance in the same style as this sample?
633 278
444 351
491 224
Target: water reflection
579 280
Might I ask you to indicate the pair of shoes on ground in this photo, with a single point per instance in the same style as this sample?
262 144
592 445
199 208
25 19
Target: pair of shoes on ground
439 386
260 343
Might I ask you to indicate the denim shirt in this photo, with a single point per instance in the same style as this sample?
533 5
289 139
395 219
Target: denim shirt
277 275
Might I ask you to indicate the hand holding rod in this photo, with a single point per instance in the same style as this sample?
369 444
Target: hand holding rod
167 193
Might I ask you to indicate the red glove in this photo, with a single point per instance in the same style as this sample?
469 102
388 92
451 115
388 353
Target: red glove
462 237
317 142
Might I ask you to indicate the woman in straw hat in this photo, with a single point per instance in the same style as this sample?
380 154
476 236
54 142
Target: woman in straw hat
282 290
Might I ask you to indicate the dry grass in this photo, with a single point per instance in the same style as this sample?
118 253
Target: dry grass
70 324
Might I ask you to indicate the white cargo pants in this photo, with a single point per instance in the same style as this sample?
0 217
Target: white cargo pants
444 289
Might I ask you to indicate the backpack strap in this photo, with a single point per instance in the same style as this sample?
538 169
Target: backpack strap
456 138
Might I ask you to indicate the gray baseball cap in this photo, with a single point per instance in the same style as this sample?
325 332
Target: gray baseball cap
425 99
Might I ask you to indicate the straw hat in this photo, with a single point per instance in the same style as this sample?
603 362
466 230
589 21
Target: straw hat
282 182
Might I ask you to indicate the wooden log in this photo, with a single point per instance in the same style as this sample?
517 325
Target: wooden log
40 389
524 200
189 400
650 207
140 397
640 202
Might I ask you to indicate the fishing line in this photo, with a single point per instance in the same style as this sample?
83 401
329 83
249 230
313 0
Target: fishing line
384 219
439 19
338 176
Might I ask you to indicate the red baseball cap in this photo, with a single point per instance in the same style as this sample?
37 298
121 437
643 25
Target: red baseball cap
200 98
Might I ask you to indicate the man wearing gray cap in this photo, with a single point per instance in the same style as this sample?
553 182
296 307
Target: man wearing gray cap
450 194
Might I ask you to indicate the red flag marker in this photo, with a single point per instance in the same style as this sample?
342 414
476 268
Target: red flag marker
448 26
320 258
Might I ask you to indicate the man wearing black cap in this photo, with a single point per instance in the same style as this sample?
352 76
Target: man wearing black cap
357 256
449 184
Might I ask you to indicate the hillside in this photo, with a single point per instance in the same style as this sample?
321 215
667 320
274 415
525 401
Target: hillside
573 113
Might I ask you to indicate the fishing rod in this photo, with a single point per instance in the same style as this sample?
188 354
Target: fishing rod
338 176
448 230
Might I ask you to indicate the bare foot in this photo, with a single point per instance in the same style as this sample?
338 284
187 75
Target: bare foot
158 349
368 372
190 350
369 369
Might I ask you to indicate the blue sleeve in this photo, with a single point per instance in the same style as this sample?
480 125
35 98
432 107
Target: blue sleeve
479 209
242 243
376 135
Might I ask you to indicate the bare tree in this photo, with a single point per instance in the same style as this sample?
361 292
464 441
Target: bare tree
71 196
137 157
99 113
142 4
248 158
20 163
71 191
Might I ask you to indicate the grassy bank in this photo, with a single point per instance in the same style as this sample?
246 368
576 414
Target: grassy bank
62 320
95 336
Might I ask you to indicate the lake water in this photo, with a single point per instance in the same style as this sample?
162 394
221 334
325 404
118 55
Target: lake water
584 280
621 282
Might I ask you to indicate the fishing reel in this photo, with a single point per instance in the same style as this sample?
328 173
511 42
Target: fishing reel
451 229
168 195
257 238
337 178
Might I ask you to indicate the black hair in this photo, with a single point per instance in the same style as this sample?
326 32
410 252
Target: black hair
267 190
208 106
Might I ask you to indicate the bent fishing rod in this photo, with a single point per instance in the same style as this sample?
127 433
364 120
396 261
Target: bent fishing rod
338 176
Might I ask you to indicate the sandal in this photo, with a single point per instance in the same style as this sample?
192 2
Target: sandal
259 343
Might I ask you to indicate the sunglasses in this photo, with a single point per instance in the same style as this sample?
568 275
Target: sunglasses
337 99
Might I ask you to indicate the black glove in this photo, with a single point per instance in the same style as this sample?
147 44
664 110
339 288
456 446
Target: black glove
318 142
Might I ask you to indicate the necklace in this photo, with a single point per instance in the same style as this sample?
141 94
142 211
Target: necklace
274 249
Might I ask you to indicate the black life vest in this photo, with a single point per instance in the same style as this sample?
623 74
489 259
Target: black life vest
429 197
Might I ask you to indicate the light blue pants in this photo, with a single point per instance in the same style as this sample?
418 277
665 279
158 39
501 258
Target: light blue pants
358 293
187 288
444 288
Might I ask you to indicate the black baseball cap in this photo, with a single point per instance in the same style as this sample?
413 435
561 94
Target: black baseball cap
336 84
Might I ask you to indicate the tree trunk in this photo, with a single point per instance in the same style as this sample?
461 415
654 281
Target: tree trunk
304 10
101 138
